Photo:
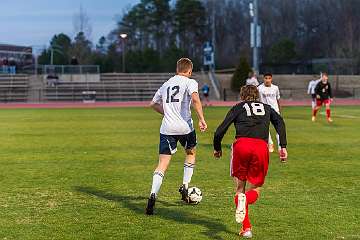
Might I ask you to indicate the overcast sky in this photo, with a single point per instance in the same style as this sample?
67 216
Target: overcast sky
34 22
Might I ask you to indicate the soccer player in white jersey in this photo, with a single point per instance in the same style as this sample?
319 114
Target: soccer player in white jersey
173 100
270 94
311 90
252 80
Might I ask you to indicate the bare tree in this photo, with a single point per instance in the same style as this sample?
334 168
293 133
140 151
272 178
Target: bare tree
81 23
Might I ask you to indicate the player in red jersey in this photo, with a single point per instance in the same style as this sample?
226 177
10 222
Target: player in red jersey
323 96
250 155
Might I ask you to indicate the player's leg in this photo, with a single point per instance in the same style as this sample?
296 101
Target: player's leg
328 111
158 176
240 200
167 147
313 101
189 143
252 194
240 157
270 144
316 109
256 178
164 161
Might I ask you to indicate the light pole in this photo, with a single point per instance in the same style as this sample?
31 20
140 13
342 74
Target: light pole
123 37
255 34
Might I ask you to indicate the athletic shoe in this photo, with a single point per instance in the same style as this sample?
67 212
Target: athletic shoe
271 148
246 233
313 118
151 204
329 120
240 211
184 193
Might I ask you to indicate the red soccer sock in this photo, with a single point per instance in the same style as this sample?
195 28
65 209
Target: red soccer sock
246 223
314 112
327 113
251 196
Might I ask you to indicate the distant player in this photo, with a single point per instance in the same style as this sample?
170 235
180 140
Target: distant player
206 91
252 80
323 96
270 94
173 100
311 91
250 155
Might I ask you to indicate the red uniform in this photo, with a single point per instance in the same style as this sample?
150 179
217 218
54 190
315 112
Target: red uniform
250 160
250 154
320 102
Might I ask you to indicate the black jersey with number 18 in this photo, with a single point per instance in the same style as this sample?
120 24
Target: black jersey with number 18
252 120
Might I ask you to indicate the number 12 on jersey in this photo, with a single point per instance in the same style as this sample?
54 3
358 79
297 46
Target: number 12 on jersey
175 91
256 109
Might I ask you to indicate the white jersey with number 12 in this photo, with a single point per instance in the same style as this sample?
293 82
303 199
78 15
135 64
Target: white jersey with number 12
175 97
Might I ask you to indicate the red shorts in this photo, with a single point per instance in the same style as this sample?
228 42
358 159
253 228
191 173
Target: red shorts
320 102
250 160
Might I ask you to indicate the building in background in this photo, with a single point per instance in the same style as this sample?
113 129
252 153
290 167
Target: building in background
21 56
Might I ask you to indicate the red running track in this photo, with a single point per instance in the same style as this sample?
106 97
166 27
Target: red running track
337 102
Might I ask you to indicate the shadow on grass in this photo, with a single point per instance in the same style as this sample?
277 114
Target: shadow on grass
138 204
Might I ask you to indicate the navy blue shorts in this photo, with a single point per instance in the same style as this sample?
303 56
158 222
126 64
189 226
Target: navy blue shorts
168 143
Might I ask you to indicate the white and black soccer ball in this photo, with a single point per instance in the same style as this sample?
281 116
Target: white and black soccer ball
195 195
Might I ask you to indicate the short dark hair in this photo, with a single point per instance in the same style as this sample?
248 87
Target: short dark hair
268 74
324 74
249 93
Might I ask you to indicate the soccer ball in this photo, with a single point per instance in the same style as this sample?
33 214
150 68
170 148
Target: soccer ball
195 195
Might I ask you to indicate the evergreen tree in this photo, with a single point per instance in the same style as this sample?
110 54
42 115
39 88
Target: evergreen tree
240 75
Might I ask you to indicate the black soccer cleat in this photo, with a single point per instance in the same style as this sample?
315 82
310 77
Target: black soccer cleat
151 204
184 193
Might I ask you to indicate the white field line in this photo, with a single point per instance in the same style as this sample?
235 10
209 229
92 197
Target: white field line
342 116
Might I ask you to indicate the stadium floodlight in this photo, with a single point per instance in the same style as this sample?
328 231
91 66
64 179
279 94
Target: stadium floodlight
123 37
251 9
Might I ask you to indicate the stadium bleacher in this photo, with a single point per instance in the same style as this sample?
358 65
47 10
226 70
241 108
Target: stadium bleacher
111 87
142 86
14 88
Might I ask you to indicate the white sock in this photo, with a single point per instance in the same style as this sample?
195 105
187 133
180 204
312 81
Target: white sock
313 104
157 181
188 172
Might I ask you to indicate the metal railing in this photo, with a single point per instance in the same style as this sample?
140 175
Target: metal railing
69 69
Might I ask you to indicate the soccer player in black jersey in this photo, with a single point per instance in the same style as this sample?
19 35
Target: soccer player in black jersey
250 155
323 96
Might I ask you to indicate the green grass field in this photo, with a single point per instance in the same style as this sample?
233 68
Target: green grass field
86 174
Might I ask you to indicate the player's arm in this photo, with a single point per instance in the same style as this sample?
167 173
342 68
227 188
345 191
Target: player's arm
309 88
278 99
318 90
221 130
330 92
196 103
157 107
155 103
278 102
278 122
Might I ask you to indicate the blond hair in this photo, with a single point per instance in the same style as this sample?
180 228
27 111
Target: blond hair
184 65
249 93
